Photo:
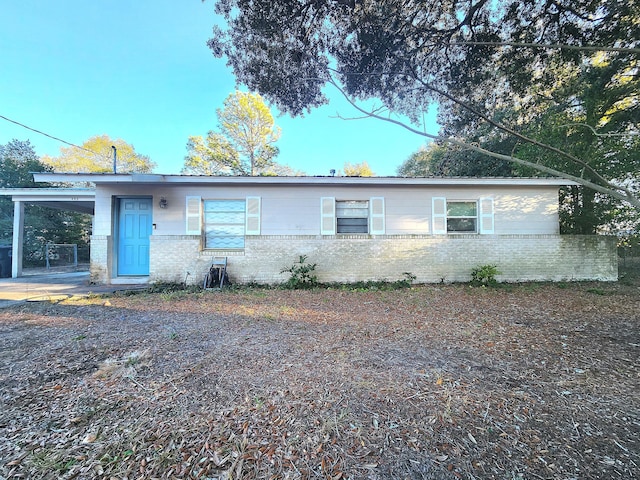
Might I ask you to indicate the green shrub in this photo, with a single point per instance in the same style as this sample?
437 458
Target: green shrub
302 274
484 275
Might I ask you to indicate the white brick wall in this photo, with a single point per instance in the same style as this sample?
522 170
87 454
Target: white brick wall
430 258
99 252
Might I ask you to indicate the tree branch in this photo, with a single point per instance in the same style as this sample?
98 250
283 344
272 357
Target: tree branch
498 125
510 131
593 130
615 191
552 46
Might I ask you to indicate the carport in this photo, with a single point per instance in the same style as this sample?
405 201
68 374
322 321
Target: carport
81 200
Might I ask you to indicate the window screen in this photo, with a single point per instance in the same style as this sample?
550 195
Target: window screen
462 216
352 216
224 223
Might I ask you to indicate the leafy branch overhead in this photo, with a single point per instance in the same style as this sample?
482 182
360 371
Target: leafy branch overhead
244 144
474 59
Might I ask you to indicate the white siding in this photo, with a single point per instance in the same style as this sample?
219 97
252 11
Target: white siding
296 210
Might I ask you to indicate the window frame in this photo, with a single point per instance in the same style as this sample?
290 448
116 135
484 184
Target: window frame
475 217
363 205
485 216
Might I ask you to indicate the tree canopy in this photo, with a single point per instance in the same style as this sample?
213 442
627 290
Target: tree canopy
17 160
244 145
361 169
476 59
96 156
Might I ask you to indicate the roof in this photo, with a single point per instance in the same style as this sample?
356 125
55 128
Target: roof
154 179
74 199
83 199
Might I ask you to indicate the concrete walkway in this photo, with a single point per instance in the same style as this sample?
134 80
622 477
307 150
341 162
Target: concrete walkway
52 286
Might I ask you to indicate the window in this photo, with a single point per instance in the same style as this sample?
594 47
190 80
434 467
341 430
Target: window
224 224
352 216
462 217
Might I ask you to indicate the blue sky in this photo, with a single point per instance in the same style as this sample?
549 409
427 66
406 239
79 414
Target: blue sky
141 71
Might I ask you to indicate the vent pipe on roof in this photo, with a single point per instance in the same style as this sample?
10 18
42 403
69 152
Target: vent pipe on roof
115 156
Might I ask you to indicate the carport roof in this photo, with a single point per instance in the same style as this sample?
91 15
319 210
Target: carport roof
80 200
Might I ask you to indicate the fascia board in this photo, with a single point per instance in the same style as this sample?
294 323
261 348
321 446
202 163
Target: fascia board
334 181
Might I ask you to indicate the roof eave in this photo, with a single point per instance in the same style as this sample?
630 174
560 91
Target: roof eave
316 180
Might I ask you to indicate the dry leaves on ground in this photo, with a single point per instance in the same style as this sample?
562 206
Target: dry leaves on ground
435 382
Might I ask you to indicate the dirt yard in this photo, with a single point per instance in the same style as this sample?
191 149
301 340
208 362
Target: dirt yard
435 382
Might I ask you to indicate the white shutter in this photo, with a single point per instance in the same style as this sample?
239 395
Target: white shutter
486 215
253 216
193 216
327 216
439 215
376 215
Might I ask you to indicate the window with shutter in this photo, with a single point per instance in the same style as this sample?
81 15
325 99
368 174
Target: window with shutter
462 216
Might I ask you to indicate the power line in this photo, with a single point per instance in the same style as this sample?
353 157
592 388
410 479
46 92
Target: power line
52 137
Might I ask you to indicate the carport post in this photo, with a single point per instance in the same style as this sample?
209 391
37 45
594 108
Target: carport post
18 237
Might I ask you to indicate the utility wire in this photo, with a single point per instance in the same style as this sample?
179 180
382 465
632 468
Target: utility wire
51 136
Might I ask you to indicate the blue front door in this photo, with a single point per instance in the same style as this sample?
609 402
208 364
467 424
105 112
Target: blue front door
134 229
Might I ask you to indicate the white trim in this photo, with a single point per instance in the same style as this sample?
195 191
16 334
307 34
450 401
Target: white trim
101 178
60 194
193 215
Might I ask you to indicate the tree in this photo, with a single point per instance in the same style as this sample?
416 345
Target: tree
213 156
361 169
439 159
243 146
590 94
18 160
96 155
474 58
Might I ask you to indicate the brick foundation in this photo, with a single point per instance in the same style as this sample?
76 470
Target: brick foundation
350 258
